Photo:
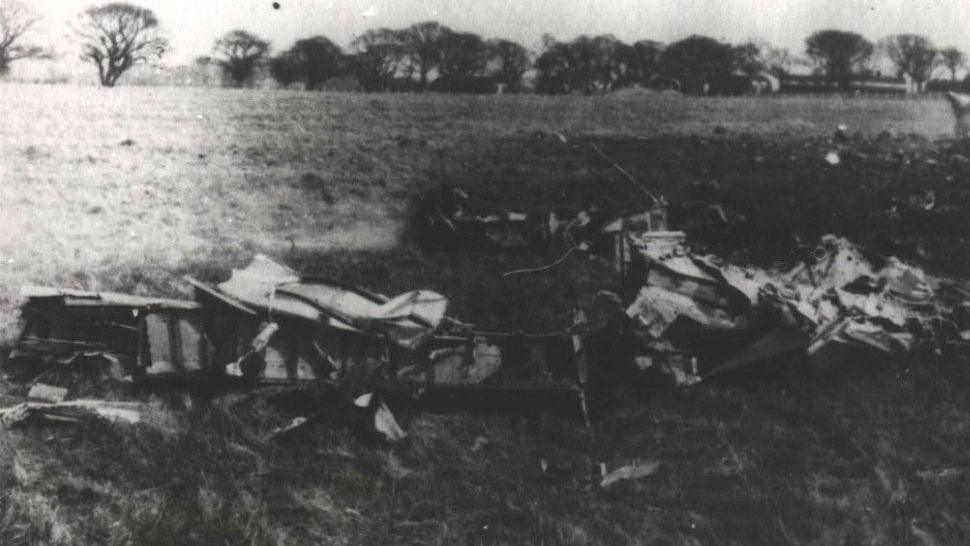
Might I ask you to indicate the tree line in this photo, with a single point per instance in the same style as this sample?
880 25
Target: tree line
116 36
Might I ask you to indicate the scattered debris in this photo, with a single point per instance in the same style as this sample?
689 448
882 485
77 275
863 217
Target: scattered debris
694 317
480 443
636 471
73 411
923 201
841 132
556 469
267 324
941 474
46 393
830 307
296 424
445 217
613 242
386 425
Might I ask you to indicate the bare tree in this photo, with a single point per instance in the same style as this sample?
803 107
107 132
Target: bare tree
16 19
422 42
777 60
378 55
510 61
953 60
116 36
912 54
838 54
240 53
748 58
759 56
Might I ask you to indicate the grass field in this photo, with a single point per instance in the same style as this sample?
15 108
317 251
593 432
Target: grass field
101 183
130 188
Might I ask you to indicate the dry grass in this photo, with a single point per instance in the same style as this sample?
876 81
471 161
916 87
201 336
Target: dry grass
129 188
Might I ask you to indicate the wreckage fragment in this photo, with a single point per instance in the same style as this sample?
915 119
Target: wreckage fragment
322 331
445 217
382 419
829 307
840 339
407 320
148 336
73 411
47 393
634 471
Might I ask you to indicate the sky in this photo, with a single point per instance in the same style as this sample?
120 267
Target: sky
192 25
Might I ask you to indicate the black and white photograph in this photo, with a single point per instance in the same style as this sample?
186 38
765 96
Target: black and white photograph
485 272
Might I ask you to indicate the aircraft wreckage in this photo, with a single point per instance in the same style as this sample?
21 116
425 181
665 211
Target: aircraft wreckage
692 318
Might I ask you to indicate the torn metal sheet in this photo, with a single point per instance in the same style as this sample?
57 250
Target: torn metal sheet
47 393
383 420
634 471
672 267
657 308
296 424
288 349
835 263
906 280
68 297
648 226
407 320
840 339
73 411
833 303
386 425
205 295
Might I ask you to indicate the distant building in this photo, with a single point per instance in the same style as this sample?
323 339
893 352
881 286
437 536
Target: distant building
739 83
469 84
881 85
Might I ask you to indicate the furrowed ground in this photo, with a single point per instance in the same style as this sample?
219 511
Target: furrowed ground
128 189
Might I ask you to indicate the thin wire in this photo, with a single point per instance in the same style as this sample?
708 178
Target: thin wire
543 268
623 172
